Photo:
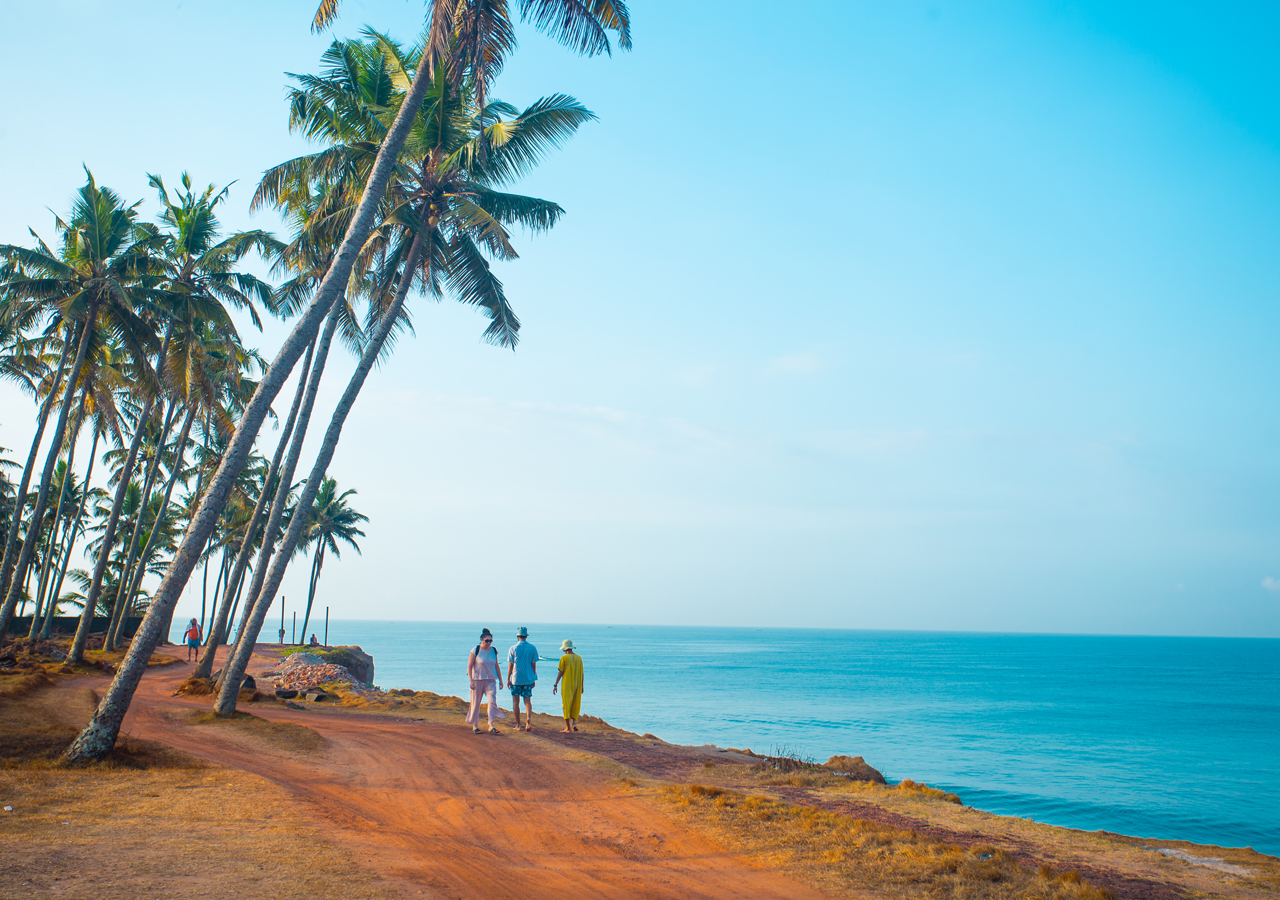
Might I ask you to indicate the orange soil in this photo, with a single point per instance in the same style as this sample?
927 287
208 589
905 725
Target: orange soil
441 812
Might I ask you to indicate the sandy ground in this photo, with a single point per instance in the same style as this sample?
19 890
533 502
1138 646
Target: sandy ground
440 812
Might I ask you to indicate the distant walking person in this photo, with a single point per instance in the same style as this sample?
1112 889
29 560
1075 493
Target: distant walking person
192 637
522 662
482 670
570 671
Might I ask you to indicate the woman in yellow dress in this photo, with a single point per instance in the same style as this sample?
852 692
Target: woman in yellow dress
570 672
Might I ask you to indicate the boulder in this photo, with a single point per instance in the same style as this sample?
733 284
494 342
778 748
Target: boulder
248 684
854 767
358 663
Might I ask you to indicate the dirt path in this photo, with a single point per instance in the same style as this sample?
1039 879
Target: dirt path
442 812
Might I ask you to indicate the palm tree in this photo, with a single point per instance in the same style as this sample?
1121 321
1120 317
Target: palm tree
329 521
194 278
93 281
445 215
100 734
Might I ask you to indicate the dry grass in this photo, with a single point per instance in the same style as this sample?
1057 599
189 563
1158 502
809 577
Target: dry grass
193 831
195 687
18 682
400 700
908 787
39 725
281 735
850 856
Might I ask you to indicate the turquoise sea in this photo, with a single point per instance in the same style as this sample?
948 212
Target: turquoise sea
1157 737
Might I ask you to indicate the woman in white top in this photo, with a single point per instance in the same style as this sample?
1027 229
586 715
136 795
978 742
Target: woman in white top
482 669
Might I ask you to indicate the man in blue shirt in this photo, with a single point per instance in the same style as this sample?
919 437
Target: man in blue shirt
522 663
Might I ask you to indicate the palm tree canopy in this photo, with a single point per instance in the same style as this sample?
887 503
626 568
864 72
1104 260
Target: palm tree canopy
332 519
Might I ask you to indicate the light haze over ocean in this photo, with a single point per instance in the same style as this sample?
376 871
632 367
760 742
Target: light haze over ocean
945 316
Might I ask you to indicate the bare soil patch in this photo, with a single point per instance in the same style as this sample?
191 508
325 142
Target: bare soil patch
199 830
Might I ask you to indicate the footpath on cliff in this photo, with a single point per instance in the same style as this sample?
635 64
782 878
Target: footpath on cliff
364 793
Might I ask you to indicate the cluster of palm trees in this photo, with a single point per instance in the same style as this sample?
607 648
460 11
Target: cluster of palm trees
125 327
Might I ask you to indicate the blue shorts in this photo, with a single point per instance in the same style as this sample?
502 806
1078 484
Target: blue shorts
522 690
193 643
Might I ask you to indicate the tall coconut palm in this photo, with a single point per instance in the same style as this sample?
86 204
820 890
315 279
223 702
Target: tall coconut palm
331 520
100 734
95 281
445 216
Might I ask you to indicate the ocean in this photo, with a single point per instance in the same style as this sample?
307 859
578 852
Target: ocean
1175 738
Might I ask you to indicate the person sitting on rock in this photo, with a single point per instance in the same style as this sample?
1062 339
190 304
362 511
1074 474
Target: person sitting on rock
314 642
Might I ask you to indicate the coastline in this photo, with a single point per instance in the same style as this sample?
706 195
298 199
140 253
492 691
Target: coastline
810 826
967 826
1163 737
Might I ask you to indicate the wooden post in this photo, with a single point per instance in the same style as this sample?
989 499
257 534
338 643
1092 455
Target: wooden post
295 627
326 626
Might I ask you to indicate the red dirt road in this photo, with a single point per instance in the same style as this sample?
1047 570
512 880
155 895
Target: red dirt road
440 812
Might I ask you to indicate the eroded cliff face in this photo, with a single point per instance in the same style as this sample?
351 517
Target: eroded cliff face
358 663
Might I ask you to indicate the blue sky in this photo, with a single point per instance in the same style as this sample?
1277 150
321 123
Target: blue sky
895 315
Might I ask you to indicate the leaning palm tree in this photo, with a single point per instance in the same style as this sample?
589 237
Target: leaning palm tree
445 216
99 736
331 520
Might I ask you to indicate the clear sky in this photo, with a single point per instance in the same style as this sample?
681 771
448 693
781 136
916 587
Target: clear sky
925 315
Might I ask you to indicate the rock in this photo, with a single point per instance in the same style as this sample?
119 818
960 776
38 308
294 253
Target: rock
248 684
317 696
854 767
359 664
285 694
292 705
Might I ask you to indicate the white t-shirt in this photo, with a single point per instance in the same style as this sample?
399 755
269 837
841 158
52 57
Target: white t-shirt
486 664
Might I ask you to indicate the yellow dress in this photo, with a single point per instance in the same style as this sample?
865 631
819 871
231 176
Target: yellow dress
571 684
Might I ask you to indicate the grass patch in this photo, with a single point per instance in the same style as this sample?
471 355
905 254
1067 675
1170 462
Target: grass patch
916 788
844 855
281 735
339 656
196 687
40 725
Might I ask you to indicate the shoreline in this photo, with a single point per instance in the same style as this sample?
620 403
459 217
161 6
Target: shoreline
1102 828
811 826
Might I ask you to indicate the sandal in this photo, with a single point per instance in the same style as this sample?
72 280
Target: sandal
494 731
475 730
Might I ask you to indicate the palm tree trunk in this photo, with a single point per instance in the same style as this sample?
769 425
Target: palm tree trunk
55 548
236 602
218 590
76 655
311 593
219 630
236 665
136 586
51 612
41 560
286 474
126 573
99 736
19 497
55 450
